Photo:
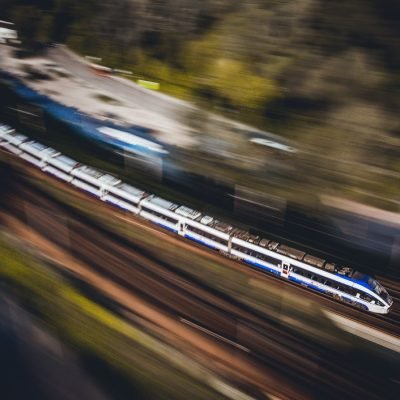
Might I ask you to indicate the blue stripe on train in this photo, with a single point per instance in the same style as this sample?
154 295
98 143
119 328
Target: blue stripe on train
291 278
324 291
165 226
261 266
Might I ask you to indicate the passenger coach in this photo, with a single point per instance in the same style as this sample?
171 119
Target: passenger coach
341 283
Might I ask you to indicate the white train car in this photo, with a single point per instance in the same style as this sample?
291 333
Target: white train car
341 283
161 212
61 166
92 180
208 231
11 141
124 196
37 153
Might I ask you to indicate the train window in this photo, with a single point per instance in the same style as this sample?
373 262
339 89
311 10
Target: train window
319 279
194 230
271 260
121 198
237 247
349 290
365 297
219 240
255 254
245 250
161 216
207 235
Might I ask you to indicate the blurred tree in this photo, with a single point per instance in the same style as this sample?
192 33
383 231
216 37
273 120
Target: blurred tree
240 86
27 19
291 66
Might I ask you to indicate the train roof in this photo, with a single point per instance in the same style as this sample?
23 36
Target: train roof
206 220
296 254
362 279
221 226
38 149
187 212
291 252
129 189
158 201
62 162
37 146
69 162
17 138
246 236
5 129
109 180
95 175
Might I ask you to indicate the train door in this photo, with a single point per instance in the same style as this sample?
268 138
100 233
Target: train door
285 268
102 192
181 228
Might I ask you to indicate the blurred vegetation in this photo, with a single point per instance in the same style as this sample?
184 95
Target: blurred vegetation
322 72
276 57
145 364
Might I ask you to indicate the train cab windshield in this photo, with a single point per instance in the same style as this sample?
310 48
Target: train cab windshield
380 291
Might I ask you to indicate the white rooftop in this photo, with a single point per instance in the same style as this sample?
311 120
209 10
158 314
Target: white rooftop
132 139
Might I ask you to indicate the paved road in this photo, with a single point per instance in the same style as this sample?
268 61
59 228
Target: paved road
129 91
156 102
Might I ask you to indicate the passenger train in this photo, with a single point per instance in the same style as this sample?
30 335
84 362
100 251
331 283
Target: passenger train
342 283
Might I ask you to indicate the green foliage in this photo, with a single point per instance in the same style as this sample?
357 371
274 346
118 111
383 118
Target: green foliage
149 364
242 88
291 67
245 54
28 22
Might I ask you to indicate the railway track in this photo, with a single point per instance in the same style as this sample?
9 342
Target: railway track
268 343
389 323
